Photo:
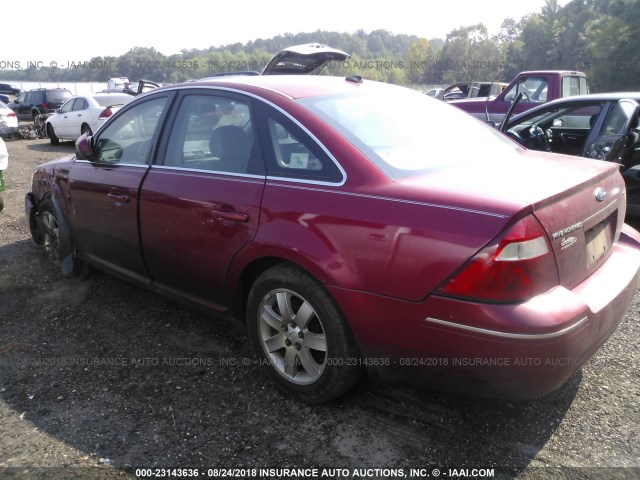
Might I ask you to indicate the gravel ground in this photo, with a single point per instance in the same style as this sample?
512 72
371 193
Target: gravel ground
99 378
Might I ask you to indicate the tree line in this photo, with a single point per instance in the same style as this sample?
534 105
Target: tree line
599 37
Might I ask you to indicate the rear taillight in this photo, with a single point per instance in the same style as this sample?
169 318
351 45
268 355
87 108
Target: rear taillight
106 113
45 105
11 114
515 267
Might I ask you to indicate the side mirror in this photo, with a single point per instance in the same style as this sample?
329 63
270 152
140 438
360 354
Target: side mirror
84 148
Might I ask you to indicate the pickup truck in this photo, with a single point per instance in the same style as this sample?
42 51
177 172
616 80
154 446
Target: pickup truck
537 87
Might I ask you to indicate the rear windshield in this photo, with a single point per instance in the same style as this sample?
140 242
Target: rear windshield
110 100
58 95
407 133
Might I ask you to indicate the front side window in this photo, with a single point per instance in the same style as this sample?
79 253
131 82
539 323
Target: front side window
211 132
68 106
128 138
619 118
572 116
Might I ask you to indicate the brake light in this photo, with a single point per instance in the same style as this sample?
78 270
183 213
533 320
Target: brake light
106 113
45 105
11 114
515 267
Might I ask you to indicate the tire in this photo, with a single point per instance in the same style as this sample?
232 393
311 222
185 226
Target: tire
53 234
50 231
1 202
52 135
86 130
298 328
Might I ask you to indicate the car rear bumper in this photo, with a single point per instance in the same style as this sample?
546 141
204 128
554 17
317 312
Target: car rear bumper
512 351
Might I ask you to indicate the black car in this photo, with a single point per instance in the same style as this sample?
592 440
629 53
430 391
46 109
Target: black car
602 126
6 89
39 103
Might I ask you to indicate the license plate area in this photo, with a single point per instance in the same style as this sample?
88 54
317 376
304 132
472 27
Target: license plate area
599 240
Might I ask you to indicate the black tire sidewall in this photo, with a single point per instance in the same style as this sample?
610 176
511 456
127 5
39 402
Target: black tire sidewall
342 370
51 133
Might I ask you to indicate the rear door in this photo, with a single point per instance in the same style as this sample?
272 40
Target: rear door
200 202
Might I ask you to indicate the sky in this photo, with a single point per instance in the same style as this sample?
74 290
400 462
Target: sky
103 29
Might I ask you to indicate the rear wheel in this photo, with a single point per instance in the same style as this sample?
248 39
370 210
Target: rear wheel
52 135
298 328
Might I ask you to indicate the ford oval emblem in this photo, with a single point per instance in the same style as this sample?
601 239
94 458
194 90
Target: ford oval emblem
600 194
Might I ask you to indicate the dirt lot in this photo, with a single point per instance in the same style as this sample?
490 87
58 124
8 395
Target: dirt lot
97 373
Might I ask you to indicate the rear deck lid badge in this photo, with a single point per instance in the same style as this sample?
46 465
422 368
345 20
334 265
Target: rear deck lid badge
567 231
568 242
600 194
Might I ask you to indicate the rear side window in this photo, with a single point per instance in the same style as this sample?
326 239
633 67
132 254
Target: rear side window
293 153
574 86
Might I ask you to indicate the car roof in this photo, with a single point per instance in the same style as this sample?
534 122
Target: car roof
290 86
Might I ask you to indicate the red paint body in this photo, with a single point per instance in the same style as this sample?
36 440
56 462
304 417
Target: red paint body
382 247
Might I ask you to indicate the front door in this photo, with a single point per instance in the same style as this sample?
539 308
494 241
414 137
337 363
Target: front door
104 212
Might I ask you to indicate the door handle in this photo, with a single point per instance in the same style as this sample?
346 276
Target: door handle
231 216
118 199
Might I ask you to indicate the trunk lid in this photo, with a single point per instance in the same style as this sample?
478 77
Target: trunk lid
308 59
580 203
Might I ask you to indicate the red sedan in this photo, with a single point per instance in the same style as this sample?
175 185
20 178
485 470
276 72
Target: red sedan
354 226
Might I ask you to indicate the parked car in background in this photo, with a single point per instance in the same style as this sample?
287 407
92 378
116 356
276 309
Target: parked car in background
8 118
462 90
537 87
4 99
435 92
7 89
348 238
39 103
83 114
486 89
599 126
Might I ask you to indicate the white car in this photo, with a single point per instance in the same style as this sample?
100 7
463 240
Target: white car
8 118
83 114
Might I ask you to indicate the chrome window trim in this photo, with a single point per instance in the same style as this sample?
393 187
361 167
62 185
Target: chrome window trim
108 164
200 170
286 114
